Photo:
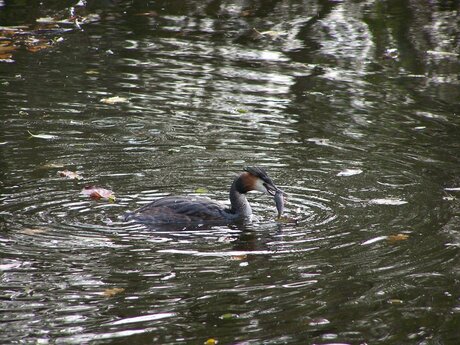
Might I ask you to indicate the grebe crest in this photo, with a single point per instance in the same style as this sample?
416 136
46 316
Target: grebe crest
199 210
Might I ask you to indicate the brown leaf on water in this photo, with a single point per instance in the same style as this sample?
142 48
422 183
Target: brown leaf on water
7 48
98 193
6 57
238 257
38 46
287 220
70 174
397 238
32 231
113 292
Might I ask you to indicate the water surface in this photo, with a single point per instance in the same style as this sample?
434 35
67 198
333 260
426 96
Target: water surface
352 108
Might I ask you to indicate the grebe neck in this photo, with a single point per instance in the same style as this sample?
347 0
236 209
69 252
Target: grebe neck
239 204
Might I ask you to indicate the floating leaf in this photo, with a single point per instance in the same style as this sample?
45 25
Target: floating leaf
45 20
37 47
395 301
7 48
70 174
33 231
114 100
211 341
97 193
389 201
34 44
112 292
229 316
51 166
12 30
42 136
319 141
319 322
441 53
6 57
397 238
239 257
201 190
225 239
242 111
91 72
349 172
272 34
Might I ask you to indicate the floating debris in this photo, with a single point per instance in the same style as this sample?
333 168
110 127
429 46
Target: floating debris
113 292
42 136
389 201
201 190
349 172
452 189
397 238
114 100
70 174
98 193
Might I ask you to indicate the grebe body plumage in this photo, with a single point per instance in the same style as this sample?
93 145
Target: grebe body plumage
199 210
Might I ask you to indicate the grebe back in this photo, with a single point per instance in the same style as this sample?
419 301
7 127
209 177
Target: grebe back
193 210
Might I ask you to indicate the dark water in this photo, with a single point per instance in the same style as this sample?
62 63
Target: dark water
352 107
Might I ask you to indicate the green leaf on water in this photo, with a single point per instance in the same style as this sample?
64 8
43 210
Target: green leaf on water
242 111
201 190
229 316
42 136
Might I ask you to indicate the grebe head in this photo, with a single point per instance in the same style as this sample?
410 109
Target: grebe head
255 178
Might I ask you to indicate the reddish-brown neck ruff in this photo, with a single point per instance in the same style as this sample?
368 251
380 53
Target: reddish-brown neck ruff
246 182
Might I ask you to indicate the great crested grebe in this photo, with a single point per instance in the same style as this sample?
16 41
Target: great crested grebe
197 210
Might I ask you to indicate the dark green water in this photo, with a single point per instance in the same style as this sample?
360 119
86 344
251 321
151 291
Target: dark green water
353 109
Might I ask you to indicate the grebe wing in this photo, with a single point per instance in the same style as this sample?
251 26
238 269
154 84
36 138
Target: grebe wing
183 209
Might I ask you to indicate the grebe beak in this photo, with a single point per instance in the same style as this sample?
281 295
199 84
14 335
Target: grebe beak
272 189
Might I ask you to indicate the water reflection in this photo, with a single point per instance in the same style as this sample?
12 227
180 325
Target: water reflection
352 107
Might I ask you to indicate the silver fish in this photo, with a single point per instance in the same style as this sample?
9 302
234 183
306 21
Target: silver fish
279 201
